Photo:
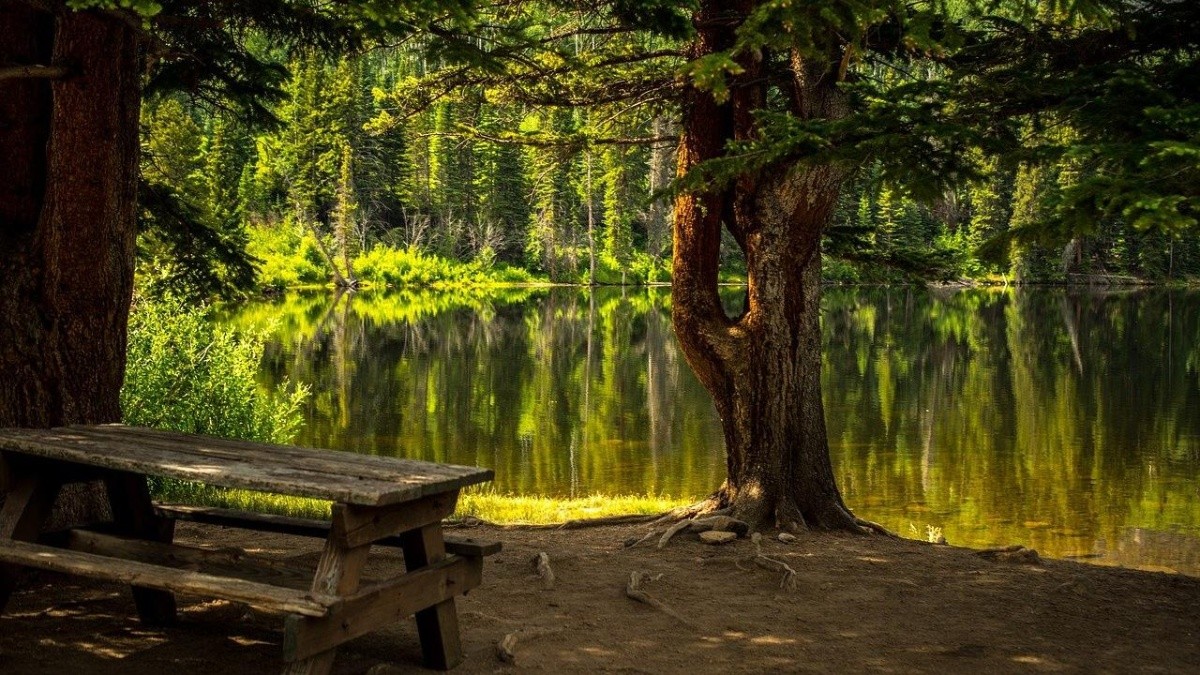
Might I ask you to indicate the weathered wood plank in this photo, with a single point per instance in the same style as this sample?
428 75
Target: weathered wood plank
437 626
381 604
262 596
307 527
229 562
331 461
334 462
329 467
28 501
337 573
321 474
358 525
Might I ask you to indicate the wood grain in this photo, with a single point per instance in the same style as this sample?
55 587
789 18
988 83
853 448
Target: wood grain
263 596
304 472
382 604
307 527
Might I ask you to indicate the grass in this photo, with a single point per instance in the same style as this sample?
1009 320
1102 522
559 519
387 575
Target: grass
534 510
494 507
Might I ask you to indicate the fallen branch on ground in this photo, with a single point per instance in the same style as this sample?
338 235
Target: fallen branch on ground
541 565
1011 554
634 591
506 648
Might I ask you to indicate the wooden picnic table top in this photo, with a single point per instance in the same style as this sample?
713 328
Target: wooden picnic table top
343 477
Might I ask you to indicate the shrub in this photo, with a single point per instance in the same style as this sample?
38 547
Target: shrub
184 374
397 268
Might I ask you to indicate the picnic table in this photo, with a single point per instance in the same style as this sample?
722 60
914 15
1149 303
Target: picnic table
376 501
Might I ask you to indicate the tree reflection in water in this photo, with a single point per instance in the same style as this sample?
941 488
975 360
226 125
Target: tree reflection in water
1068 421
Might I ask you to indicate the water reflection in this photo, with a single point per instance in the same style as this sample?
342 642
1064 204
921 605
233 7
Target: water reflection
1066 421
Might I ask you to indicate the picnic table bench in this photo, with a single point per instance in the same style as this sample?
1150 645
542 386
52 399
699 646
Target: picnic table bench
376 500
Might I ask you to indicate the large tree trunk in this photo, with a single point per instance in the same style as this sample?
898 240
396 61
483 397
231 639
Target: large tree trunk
67 215
762 367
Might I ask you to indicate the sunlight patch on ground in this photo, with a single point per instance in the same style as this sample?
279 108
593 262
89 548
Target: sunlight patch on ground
504 509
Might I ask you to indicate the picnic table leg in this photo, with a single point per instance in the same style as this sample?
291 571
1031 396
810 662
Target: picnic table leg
337 573
437 626
28 502
134 515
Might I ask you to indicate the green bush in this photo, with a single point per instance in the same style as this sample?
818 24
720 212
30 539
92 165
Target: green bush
287 258
186 375
409 267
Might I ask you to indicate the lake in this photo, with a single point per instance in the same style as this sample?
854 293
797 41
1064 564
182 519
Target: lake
1064 420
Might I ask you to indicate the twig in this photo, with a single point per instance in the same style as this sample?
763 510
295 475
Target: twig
634 591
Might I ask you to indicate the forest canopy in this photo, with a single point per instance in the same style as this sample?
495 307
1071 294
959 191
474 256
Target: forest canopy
542 136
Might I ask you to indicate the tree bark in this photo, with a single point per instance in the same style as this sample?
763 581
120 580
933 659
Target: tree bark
67 216
762 367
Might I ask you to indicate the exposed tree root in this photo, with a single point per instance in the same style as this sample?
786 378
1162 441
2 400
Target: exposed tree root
608 520
788 581
695 526
633 590
761 515
713 505
672 531
876 528
577 524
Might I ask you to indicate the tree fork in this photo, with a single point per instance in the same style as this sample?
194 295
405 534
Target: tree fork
762 368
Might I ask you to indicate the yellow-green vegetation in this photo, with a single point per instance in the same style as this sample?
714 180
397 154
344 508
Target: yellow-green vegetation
198 494
540 510
184 373
504 509
289 258
388 267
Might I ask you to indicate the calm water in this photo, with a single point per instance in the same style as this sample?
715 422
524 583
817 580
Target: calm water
1068 421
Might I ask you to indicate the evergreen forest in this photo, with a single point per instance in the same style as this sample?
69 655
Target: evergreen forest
404 165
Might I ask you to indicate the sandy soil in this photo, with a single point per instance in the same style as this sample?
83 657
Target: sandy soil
861 604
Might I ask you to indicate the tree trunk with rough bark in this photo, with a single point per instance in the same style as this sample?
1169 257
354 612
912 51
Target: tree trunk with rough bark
763 366
67 215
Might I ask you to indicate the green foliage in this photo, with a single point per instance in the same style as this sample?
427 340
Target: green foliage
395 268
186 375
478 150
289 258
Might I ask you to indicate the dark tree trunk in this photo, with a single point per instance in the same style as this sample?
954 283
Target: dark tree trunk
67 215
762 367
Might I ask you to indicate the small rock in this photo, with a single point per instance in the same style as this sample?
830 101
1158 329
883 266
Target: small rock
713 537
787 537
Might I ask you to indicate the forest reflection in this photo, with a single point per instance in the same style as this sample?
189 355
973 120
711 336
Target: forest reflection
1068 421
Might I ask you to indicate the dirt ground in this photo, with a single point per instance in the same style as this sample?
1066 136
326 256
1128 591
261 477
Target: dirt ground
861 604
